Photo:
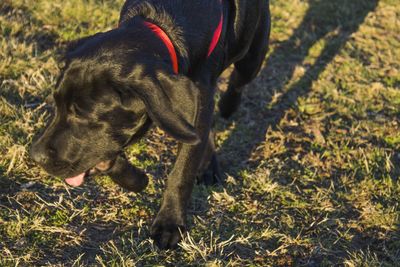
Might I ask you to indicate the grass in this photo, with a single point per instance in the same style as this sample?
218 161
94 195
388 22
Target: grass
311 159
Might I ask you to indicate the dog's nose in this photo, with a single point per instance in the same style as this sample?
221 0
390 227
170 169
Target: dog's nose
40 155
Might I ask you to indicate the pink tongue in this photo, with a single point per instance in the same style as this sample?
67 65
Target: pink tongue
75 181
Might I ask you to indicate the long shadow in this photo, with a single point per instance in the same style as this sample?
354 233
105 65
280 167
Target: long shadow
331 21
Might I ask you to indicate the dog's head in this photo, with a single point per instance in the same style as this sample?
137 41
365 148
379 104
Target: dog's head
105 100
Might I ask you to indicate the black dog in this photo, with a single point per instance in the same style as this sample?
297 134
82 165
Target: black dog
160 65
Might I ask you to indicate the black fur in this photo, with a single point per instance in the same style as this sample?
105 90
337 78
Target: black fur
117 83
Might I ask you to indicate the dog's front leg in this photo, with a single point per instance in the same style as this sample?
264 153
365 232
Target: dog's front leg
171 219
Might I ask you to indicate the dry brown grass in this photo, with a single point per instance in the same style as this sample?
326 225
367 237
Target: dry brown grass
311 159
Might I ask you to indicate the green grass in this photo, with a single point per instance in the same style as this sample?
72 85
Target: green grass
311 159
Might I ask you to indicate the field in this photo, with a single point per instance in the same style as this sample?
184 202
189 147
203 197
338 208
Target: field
311 160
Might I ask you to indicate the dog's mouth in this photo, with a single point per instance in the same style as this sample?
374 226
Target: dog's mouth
79 179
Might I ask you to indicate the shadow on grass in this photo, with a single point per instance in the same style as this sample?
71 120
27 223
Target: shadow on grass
332 21
7 185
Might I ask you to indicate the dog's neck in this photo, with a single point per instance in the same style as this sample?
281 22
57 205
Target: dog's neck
146 12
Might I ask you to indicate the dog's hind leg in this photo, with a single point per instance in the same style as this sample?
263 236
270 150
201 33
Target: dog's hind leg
209 172
247 68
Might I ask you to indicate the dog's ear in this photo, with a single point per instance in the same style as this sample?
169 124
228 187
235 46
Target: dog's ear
171 102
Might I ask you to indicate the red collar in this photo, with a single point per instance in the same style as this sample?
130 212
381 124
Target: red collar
171 49
164 37
217 33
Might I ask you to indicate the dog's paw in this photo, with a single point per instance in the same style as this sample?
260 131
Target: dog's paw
167 232
128 176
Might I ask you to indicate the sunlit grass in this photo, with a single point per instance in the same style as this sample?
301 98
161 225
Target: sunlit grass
311 159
